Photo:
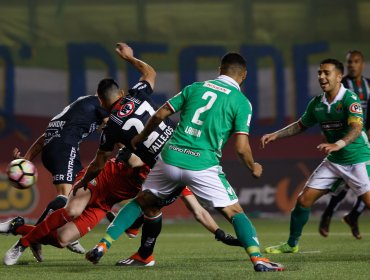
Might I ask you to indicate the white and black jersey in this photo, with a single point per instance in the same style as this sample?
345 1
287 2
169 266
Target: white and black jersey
128 118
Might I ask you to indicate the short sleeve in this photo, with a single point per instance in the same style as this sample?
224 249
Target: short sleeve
308 118
178 100
142 87
243 118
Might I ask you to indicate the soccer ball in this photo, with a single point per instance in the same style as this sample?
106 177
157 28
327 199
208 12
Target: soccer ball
22 173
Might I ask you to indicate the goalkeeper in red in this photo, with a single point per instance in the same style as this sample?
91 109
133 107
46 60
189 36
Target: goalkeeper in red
211 112
338 111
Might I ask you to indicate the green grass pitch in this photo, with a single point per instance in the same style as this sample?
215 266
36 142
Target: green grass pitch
187 251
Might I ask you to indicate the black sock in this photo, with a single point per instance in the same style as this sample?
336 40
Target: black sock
138 222
151 229
59 202
333 203
357 209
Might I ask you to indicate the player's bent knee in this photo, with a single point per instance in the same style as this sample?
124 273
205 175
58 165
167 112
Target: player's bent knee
231 210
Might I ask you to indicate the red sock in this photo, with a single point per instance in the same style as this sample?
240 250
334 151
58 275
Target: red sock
51 239
24 229
55 220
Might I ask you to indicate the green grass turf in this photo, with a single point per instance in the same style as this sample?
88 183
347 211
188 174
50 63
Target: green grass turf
186 251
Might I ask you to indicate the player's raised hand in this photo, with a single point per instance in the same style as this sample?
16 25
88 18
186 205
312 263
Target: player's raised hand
267 138
257 170
124 51
327 148
80 184
16 153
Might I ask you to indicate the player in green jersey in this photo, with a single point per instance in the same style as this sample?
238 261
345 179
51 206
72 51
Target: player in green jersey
211 112
339 113
356 82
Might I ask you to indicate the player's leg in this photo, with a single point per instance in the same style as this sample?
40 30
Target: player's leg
339 190
58 218
124 219
351 219
203 217
63 162
158 186
212 188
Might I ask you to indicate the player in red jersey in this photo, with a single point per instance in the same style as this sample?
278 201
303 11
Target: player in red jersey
83 212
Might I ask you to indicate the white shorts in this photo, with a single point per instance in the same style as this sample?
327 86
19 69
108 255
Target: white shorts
209 185
329 174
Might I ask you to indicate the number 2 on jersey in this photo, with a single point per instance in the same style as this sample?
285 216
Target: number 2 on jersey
199 111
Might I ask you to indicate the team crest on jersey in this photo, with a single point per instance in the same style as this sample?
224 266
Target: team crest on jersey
339 107
126 109
355 108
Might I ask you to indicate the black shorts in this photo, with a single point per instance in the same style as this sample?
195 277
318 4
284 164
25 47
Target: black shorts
62 160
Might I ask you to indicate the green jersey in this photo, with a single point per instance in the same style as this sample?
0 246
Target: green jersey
334 120
210 112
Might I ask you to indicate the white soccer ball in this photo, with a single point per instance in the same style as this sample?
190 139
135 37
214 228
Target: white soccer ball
22 173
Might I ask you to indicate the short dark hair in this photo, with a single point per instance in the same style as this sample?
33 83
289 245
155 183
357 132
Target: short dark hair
106 87
338 65
233 59
350 52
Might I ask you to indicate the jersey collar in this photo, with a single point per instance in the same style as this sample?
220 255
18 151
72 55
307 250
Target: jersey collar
228 80
339 96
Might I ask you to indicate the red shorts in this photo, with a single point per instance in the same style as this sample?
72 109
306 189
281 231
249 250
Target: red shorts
186 191
114 184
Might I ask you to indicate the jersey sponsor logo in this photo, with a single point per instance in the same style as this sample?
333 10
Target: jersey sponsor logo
126 109
56 124
319 108
184 151
218 88
193 131
72 157
355 108
331 125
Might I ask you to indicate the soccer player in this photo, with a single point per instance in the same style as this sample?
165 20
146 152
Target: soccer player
339 113
59 148
357 83
118 181
128 113
210 112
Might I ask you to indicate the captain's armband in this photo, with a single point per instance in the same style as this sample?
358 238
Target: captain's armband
355 119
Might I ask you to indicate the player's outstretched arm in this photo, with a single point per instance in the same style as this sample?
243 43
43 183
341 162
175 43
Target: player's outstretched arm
290 130
32 151
93 169
147 72
244 151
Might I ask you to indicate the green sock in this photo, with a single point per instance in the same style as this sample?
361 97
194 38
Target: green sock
124 219
298 219
246 234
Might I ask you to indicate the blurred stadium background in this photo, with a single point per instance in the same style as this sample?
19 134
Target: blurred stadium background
51 52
